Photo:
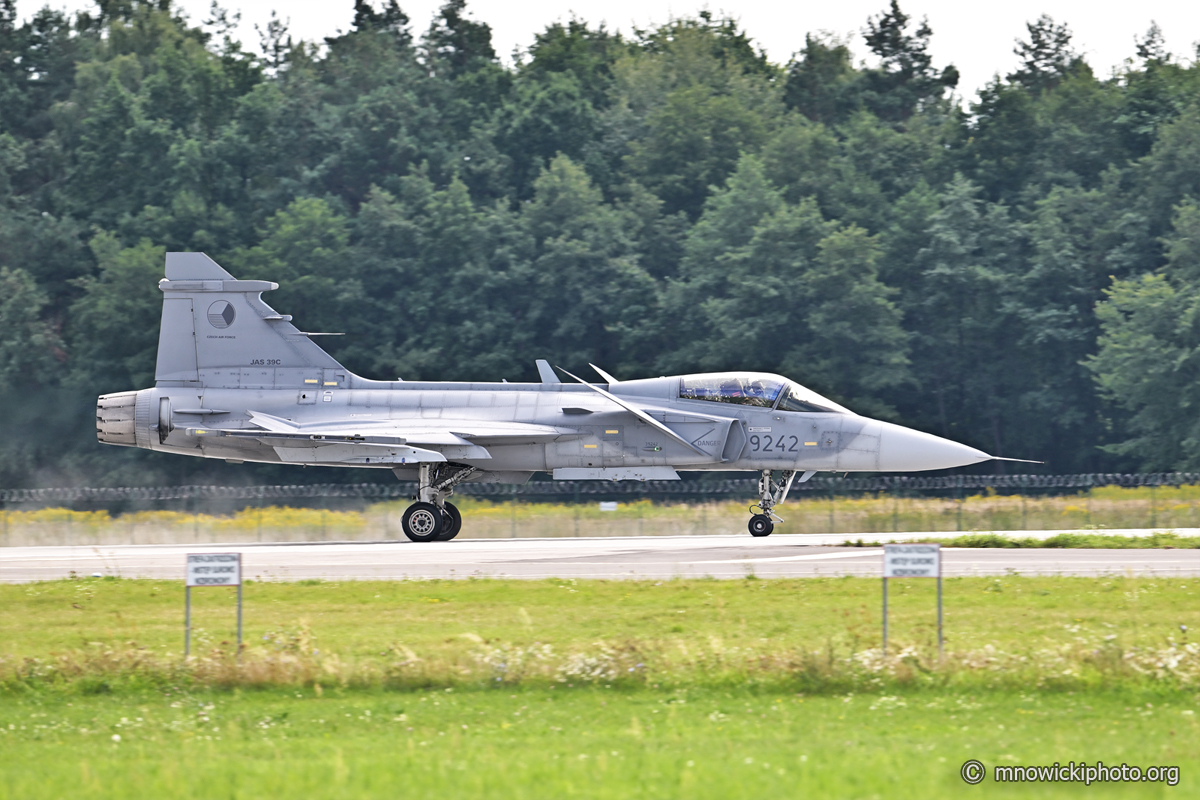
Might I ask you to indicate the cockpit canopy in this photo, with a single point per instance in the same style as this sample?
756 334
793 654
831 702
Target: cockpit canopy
755 389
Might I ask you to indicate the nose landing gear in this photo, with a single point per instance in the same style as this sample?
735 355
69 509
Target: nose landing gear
432 518
770 494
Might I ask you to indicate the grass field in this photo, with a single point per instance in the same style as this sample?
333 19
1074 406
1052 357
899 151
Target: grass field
546 689
543 743
459 633
1110 507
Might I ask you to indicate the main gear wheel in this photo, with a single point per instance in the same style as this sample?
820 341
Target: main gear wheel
422 522
451 522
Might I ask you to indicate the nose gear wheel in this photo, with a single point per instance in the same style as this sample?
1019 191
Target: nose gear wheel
761 525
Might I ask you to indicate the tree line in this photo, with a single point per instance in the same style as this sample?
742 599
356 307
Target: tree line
1019 270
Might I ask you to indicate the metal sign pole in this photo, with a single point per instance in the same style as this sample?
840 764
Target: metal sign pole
941 646
187 621
885 617
240 615
211 569
913 560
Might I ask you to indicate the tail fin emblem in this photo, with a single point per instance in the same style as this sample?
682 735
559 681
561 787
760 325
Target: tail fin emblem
221 314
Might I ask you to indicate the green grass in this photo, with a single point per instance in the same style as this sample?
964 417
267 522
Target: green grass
807 634
359 619
560 688
550 743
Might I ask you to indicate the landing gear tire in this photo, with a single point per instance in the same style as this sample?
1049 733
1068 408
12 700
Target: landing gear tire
422 522
451 522
761 525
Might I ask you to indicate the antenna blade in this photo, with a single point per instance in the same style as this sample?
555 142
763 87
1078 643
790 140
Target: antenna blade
545 372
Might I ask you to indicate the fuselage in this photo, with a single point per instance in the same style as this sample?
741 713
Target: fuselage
580 433
236 380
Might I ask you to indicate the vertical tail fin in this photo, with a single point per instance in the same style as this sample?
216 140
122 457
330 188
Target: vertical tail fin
217 332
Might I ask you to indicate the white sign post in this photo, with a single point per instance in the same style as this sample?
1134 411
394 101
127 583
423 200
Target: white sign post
211 569
912 561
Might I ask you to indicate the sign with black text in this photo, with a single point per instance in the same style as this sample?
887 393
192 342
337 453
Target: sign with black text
912 560
214 569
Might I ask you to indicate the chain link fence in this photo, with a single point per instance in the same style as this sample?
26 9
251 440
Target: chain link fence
563 491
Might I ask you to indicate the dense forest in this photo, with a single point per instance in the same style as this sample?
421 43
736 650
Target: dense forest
1019 270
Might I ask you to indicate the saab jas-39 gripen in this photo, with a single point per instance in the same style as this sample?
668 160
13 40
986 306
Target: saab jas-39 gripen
236 380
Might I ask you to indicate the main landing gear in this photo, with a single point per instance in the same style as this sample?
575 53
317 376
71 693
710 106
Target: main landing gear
770 494
432 518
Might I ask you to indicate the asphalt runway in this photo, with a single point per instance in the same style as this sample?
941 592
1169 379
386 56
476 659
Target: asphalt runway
655 558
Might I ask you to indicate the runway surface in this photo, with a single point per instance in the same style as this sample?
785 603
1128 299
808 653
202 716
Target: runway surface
658 557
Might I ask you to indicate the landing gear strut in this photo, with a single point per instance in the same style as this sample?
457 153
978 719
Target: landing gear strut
432 518
770 494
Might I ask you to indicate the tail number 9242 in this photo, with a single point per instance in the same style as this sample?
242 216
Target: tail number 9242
778 444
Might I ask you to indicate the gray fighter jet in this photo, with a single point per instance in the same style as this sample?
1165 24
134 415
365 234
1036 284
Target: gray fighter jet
237 380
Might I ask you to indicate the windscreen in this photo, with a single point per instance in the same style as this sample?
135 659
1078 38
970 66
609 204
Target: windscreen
797 398
742 388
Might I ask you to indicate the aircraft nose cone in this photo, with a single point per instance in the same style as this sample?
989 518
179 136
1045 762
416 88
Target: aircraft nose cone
905 450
